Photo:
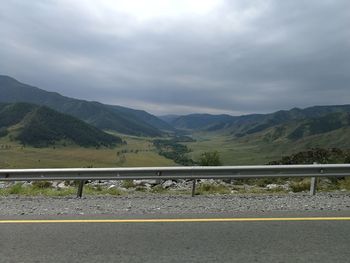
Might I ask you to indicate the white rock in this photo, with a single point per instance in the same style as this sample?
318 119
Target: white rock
272 186
208 181
148 186
54 184
286 186
61 185
114 182
145 182
168 183
99 183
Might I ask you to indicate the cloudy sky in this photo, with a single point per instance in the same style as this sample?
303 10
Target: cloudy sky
182 56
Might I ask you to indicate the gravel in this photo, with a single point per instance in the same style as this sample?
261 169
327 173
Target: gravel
167 204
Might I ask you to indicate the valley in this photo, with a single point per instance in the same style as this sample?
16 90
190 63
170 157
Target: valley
45 129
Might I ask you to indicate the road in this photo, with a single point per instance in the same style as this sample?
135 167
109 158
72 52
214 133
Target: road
289 237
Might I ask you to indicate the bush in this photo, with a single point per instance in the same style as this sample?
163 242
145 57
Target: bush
41 184
303 185
210 159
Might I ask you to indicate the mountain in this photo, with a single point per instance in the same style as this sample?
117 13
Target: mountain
307 127
107 117
250 124
169 118
41 126
145 116
324 124
244 125
196 122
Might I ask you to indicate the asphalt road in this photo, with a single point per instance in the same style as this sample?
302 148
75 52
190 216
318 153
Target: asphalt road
251 240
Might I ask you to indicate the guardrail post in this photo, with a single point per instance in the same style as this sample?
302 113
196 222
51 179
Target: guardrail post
313 185
80 188
194 187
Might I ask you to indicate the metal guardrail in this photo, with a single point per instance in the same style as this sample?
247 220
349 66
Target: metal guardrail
188 172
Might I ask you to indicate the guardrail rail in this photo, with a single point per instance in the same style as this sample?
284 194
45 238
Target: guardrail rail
180 172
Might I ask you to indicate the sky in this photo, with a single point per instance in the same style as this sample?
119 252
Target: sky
182 56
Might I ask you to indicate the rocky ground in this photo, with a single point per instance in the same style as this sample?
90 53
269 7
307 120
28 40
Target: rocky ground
146 203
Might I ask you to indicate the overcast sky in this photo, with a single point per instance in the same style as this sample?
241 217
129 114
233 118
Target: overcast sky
182 56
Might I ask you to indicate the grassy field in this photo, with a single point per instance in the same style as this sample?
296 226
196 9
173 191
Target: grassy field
137 152
140 151
257 150
232 152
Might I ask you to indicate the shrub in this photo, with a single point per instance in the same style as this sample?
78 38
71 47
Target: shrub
41 184
303 185
210 159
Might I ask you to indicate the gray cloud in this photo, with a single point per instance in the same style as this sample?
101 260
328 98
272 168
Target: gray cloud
241 57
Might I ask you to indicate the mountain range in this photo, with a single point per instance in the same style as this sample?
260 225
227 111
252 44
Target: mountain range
102 116
291 125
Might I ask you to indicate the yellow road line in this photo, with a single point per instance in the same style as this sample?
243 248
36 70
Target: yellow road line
173 220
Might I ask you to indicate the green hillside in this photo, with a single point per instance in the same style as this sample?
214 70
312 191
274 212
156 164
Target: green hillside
41 126
107 117
319 118
250 124
320 125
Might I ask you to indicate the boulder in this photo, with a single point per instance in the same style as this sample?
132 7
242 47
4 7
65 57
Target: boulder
272 186
113 186
61 185
146 182
168 183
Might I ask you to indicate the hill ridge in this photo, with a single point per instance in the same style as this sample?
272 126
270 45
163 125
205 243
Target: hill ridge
42 126
108 117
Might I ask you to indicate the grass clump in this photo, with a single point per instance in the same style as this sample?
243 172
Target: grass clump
41 184
128 184
300 186
99 190
344 183
207 188
36 190
114 191
158 189
14 189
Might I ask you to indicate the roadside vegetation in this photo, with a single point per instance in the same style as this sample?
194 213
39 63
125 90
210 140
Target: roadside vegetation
204 187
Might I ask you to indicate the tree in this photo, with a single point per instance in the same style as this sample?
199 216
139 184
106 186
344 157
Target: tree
210 159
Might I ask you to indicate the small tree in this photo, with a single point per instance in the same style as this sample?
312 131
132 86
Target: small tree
210 159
